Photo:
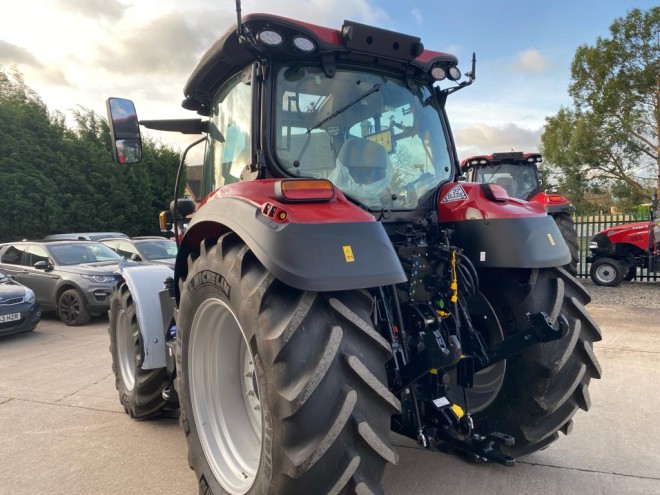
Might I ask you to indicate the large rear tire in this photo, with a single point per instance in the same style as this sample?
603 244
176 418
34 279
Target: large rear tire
281 390
140 391
544 386
567 228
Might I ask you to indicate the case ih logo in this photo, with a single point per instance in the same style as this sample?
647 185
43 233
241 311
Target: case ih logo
456 193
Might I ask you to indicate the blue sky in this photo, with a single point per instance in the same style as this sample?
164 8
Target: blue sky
79 52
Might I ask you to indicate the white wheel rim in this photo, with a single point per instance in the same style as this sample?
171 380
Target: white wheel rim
225 396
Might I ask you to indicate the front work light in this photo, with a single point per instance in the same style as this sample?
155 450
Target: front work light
454 73
304 44
438 73
304 190
270 38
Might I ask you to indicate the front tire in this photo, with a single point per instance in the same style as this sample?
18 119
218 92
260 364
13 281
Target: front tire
567 228
140 391
607 272
72 308
310 365
544 386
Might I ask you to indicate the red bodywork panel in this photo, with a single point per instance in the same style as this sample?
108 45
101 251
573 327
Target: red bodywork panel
261 193
460 201
636 233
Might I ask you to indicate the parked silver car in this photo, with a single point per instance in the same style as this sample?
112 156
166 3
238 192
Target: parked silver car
151 250
74 278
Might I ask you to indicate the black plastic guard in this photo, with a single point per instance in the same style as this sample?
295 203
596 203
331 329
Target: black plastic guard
307 256
533 242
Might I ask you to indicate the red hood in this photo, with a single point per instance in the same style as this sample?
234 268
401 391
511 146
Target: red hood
632 227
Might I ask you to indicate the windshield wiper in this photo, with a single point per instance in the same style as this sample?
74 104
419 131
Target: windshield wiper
374 88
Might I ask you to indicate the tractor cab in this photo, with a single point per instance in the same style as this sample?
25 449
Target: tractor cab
516 172
358 107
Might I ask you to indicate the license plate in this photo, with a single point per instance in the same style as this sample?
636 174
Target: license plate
11 317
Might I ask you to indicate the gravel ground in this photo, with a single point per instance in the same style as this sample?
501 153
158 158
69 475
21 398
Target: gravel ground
631 294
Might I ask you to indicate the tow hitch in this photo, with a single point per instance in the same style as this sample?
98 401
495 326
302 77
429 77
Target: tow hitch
453 428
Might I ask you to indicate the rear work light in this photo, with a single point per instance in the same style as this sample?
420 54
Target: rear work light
304 190
495 192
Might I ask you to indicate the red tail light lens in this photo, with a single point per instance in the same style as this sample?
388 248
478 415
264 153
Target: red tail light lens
495 192
554 199
302 190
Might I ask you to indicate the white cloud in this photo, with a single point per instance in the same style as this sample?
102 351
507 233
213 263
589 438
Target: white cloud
484 139
531 61
417 14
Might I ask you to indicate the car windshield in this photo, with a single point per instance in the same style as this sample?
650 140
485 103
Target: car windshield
157 249
79 253
377 138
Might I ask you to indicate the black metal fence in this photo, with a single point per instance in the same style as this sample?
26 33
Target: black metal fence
589 225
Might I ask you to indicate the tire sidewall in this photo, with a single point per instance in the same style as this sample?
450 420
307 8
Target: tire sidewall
116 308
192 297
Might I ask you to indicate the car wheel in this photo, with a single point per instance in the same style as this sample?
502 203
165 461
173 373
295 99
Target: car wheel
72 309
607 272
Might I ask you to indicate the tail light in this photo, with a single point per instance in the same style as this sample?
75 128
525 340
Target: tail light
495 192
304 190
553 199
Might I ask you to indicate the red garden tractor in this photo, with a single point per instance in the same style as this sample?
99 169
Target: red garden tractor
618 252
338 282
518 174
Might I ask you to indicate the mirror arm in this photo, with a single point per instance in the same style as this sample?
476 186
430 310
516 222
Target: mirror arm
176 185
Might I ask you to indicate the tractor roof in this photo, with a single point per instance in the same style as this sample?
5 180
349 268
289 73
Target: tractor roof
354 43
513 157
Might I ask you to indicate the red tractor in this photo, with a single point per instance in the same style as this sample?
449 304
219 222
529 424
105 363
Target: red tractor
617 252
518 173
338 282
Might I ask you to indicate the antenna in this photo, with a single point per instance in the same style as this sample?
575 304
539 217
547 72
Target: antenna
239 23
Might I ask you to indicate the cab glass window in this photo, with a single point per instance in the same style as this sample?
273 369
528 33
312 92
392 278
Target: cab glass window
228 150
380 139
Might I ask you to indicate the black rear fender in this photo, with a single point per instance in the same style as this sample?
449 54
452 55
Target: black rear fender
308 256
527 242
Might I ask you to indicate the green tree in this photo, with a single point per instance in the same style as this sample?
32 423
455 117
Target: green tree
611 136
57 179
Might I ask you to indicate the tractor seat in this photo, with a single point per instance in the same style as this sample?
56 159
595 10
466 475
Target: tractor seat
365 160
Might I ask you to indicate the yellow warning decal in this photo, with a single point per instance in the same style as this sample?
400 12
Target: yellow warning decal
552 241
348 254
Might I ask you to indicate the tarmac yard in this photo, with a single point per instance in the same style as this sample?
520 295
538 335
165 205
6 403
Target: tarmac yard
63 430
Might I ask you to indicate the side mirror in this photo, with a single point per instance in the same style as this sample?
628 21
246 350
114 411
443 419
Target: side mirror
41 265
124 130
184 207
135 257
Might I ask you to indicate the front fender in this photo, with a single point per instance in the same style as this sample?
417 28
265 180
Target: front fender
317 254
154 309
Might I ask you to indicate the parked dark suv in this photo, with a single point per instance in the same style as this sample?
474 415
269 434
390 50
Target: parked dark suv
74 278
